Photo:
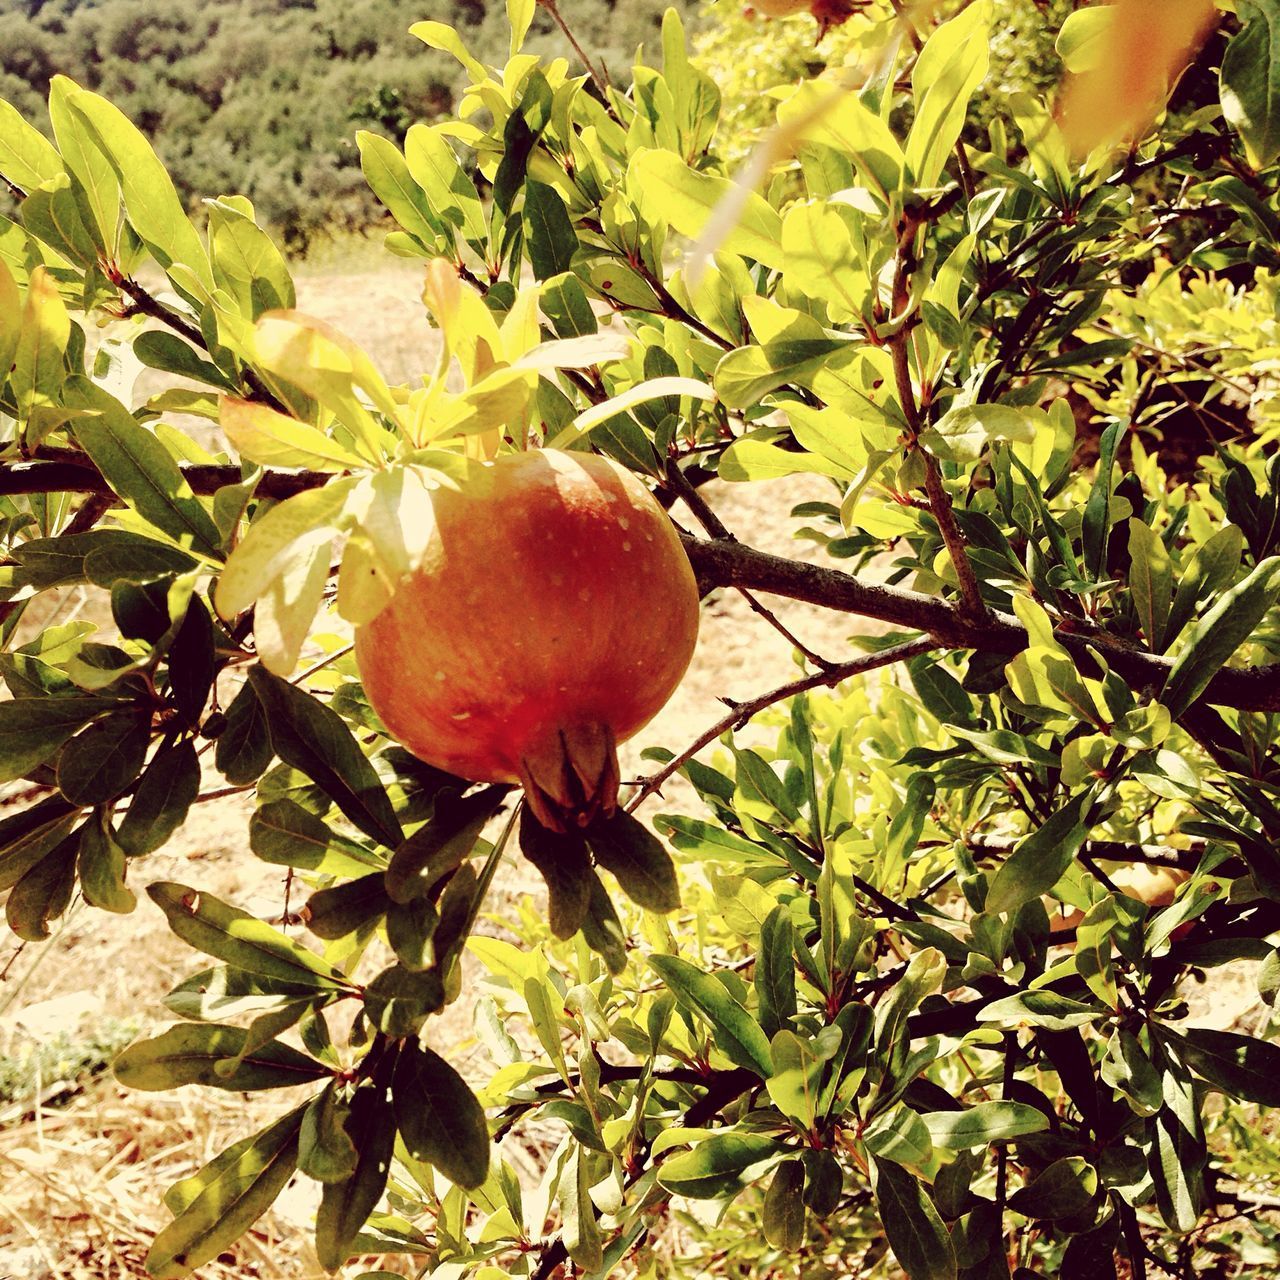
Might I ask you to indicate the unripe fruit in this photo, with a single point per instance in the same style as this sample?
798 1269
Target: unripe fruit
553 615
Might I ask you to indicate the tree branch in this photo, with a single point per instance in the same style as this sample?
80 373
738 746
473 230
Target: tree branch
744 711
725 563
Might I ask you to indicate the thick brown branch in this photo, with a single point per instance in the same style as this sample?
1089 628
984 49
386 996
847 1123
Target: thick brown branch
721 564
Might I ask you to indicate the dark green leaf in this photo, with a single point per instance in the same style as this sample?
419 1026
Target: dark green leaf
1212 638
643 867
334 913
602 930
165 793
346 1204
244 745
44 892
27 836
439 1118
325 1150
1241 1066
1250 81
1037 864
285 834
32 729
1065 1189
549 235
102 760
307 735
563 862
911 1224
775 972
784 1207
441 844
737 1034
189 1053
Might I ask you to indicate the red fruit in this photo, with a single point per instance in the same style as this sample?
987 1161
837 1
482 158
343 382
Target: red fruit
553 616
827 13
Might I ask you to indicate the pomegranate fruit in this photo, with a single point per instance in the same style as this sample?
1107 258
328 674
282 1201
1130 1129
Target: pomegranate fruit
1156 886
827 13
553 615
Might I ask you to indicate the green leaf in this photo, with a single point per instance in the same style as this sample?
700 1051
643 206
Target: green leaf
219 993
27 157
963 434
315 740
915 1232
102 870
1215 636
1250 81
234 936
150 200
138 467
441 844
439 1117
102 760
642 865
282 832
1038 862
984 1123
665 189
345 1205
1041 1008
388 176
720 1166
901 1136
775 972
1065 1189
784 1207
32 729
953 62
165 793
737 1034
221 1202
750 459
581 1231
1150 581
448 189
1241 1066
189 1053
43 893
549 235
602 930
259 434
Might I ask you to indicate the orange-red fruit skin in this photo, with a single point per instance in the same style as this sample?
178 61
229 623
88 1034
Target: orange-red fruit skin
555 596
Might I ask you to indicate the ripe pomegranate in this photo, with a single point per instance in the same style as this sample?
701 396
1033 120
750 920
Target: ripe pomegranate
827 13
1155 886
552 617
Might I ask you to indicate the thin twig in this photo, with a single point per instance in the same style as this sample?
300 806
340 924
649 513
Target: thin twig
742 712
971 602
597 78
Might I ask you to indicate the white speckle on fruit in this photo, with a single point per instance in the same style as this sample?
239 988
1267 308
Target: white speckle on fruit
585 594
626 546
460 716
623 523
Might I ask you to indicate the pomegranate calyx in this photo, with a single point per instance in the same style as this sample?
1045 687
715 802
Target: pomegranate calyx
572 777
